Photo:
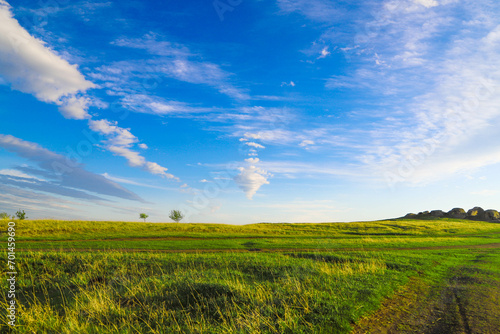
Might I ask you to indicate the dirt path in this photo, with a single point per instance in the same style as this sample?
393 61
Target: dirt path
171 238
466 303
184 238
275 250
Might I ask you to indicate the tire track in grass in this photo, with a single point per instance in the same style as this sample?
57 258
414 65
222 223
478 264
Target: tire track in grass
264 250
464 303
461 309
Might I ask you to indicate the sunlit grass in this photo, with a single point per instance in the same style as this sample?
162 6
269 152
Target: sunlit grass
210 293
158 236
281 278
53 229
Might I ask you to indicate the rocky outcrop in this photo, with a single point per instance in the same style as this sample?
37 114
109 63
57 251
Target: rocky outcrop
475 213
492 215
456 213
437 213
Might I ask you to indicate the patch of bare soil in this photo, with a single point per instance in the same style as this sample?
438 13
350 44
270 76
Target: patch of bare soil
468 302
269 250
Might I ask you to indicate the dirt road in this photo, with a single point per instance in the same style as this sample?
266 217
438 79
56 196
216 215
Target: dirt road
468 302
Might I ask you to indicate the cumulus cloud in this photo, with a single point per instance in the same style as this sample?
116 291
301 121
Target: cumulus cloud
32 67
60 174
120 141
251 177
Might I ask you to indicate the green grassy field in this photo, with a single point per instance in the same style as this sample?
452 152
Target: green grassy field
118 277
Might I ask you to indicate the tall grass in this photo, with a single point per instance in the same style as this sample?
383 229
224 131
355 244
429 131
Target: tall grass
245 292
207 293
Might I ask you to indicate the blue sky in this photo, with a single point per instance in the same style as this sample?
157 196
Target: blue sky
247 111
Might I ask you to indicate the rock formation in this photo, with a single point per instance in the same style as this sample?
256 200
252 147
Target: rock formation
437 213
457 213
491 215
475 213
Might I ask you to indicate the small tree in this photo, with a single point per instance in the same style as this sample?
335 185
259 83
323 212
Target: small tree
143 216
4 215
176 215
21 215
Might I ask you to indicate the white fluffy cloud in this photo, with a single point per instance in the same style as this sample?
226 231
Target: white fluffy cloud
31 67
251 177
120 141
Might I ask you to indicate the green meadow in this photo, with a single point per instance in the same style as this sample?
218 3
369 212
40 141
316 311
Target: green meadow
125 277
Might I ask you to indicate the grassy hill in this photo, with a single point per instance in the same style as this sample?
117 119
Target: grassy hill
123 277
97 235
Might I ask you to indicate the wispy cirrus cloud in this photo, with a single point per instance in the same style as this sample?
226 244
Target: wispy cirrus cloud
297 169
136 183
318 10
453 103
32 67
162 60
12 198
435 62
120 142
150 104
152 45
59 174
